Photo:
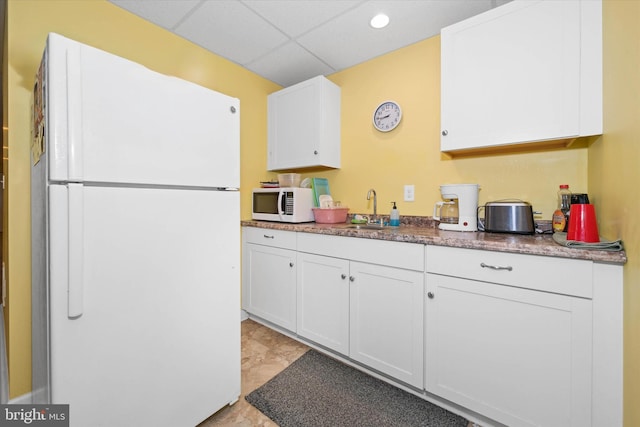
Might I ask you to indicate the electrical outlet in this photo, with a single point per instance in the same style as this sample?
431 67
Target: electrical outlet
409 193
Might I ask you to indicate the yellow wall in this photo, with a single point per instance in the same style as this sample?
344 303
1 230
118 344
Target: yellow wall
614 173
108 27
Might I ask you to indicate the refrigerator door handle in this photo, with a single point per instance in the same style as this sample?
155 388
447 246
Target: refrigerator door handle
76 250
74 115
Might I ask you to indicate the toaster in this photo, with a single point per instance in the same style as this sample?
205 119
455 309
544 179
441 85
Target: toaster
508 217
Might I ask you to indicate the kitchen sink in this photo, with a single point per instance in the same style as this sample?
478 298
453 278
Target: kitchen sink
367 226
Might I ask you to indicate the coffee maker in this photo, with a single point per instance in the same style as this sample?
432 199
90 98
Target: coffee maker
459 210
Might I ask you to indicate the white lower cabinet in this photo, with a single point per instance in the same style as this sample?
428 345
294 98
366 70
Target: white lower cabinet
522 357
386 320
372 313
323 301
269 275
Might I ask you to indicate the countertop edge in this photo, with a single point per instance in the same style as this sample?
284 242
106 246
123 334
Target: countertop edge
540 244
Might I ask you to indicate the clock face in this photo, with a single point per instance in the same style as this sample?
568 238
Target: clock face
387 116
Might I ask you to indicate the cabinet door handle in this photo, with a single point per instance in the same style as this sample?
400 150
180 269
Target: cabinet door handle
290 264
344 276
315 151
494 267
430 295
351 278
268 237
445 132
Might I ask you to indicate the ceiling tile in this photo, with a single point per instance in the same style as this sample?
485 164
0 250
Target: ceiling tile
349 39
230 29
288 65
298 17
166 13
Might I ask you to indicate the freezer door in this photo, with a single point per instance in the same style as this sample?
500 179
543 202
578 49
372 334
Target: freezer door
112 120
144 304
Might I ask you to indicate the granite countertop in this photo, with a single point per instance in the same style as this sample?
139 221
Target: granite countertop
424 230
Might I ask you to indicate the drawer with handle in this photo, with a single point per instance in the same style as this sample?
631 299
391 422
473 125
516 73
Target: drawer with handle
269 237
548 274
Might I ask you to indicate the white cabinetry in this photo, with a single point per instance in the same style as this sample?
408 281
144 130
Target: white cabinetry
512 337
304 126
379 285
386 320
323 301
523 340
269 275
527 71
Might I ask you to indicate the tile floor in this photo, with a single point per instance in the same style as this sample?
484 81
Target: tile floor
265 353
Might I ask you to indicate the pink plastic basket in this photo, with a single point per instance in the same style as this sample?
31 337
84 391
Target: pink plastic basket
330 215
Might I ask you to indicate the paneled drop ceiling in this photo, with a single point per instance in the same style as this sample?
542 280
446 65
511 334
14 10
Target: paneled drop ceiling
288 41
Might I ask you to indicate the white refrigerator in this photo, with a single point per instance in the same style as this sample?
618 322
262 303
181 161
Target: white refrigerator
135 242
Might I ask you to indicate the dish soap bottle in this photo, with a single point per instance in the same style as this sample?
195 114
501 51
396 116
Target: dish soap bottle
394 217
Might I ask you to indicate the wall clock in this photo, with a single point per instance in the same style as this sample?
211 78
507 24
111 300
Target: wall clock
387 116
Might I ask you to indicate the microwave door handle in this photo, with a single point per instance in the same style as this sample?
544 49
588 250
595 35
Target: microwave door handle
281 201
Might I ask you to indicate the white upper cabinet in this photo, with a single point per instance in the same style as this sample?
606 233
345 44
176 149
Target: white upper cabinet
528 71
304 126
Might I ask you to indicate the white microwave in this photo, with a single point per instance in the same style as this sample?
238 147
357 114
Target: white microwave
290 204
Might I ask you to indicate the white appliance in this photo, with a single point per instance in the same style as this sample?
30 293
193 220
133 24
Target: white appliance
136 231
290 204
461 199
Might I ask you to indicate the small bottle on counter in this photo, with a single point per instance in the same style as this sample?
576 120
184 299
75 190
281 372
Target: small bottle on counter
560 221
394 217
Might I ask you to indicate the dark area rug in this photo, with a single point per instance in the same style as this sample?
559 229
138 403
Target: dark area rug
317 390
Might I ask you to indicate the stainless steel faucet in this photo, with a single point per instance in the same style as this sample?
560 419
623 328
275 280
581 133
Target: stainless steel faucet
375 205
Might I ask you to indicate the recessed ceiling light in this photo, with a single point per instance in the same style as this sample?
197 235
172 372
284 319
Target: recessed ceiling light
379 21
